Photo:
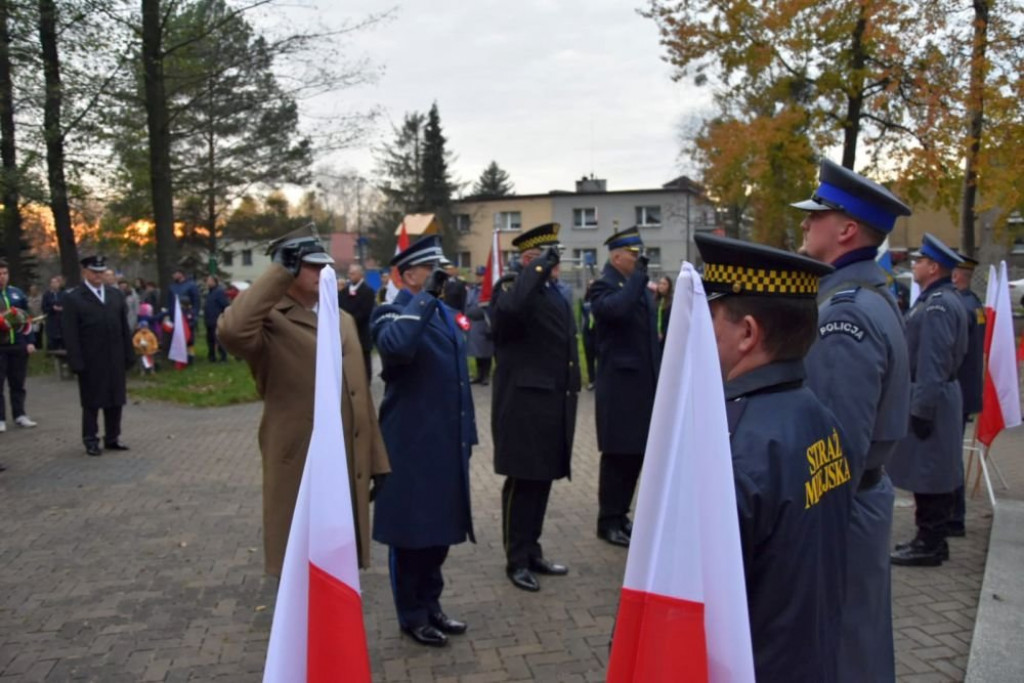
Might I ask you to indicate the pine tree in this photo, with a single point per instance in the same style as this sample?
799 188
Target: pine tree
436 183
493 182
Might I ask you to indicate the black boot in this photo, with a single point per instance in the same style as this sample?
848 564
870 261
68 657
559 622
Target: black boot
920 553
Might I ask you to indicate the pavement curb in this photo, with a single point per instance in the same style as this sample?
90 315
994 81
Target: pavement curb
999 626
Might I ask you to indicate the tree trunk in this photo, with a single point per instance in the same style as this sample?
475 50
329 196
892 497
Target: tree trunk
158 124
975 127
855 96
55 142
9 194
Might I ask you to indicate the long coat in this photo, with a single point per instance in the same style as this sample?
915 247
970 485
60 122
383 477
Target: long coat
533 415
479 341
277 338
99 345
937 344
360 307
628 358
428 423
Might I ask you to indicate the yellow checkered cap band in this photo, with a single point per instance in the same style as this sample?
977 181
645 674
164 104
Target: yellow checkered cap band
741 279
538 241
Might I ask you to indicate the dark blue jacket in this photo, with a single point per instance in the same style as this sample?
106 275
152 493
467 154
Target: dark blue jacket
971 374
428 424
188 293
12 297
216 301
793 491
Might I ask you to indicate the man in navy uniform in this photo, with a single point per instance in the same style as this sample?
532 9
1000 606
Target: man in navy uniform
533 419
628 359
929 460
971 375
859 369
429 428
794 485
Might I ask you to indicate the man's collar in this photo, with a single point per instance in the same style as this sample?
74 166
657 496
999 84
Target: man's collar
861 254
764 377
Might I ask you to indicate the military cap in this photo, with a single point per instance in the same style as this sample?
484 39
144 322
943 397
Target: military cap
444 262
966 262
307 240
933 248
628 238
736 267
425 251
96 263
840 189
539 237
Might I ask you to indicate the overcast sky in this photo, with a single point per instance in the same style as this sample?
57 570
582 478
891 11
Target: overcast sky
551 90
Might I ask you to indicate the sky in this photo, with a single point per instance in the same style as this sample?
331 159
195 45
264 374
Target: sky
552 90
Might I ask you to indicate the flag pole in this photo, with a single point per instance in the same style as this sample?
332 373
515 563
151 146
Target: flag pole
988 481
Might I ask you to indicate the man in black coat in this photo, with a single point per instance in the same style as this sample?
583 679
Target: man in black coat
628 359
358 300
216 303
99 346
456 289
533 419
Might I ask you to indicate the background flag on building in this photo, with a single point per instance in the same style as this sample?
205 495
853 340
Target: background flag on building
395 281
318 634
178 351
493 273
683 611
1001 398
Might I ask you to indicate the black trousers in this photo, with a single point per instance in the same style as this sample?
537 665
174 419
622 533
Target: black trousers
483 369
615 486
416 583
111 425
13 371
212 345
523 504
933 514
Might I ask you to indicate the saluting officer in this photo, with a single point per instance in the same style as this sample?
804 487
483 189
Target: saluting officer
628 359
859 369
533 419
429 429
794 486
929 460
971 376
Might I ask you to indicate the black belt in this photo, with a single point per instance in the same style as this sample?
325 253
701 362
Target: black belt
869 478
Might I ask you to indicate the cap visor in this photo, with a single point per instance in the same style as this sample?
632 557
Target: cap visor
318 259
810 205
97 269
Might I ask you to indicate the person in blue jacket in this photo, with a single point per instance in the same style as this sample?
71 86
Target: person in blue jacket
17 343
429 428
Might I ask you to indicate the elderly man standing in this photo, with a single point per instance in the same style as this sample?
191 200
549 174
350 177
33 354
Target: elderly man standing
273 326
357 299
628 359
533 419
429 428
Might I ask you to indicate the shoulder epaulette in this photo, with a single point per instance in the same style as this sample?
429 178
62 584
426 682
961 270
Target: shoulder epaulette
844 296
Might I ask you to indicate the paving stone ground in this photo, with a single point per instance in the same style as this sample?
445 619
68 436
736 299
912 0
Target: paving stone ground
147 565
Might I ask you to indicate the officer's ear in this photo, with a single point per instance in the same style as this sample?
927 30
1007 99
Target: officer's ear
751 334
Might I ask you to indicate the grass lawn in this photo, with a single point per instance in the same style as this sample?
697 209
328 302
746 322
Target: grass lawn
202 384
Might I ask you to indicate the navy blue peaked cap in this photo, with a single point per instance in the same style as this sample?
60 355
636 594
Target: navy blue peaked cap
840 189
628 238
425 251
932 247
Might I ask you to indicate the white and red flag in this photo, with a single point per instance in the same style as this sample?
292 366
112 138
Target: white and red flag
683 611
493 272
318 634
990 307
178 351
396 278
1001 396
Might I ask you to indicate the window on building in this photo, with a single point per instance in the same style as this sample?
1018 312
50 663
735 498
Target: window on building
584 219
227 258
654 256
508 221
462 223
584 258
247 257
464 259
648 216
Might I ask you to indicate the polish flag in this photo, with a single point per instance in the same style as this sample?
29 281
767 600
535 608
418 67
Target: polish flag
178 351
396 277
990 307
1001 398
493 273
683 611
318 634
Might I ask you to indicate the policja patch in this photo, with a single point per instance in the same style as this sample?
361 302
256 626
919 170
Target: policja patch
846 327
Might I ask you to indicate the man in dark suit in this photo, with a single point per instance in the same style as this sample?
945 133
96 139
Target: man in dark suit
357 299
99 346
216 302
628 359
533 419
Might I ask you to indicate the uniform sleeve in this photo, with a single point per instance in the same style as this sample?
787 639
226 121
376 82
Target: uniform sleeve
397 331
611 303
240 328
514 305
379 463
748 502
935 358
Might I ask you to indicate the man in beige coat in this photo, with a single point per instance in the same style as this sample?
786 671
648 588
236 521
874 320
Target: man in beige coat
272 325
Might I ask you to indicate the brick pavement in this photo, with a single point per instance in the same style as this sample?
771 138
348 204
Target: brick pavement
147 565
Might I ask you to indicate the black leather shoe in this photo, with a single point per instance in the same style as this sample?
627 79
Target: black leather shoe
2 467
93 449
476 380
943 549
627 527
541 566
920 554
615 537
427 635
956 530
446 624
116 446
522 578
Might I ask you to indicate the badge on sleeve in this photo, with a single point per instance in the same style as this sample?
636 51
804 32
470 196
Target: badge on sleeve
846 327
462 321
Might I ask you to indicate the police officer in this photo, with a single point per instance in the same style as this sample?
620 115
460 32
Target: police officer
794 483
628 359
533 419
971 376
858 367
929 460
429 428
